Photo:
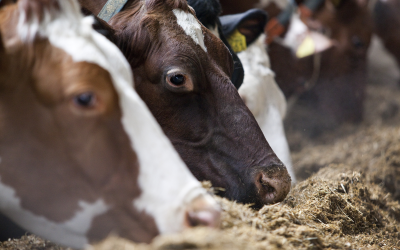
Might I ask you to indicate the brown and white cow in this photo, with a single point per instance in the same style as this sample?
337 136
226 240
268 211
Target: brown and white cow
182 72
81 156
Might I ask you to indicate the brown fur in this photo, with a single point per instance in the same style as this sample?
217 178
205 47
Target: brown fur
5 2
387 21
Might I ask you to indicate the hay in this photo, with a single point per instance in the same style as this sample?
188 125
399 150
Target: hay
337 208
29 242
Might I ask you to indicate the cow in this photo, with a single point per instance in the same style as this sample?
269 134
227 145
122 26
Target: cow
265 99
386 25
259 90
81 156
329 86
182 72
334 81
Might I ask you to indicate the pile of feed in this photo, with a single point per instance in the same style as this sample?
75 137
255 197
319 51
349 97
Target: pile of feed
346 198
337 208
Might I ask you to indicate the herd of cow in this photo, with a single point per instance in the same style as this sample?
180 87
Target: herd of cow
109 121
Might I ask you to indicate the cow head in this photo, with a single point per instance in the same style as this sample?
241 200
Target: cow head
339 92
259 90
80 154
331 85
386 22
182 72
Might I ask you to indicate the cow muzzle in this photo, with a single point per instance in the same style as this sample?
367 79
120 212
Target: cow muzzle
203 211
273 184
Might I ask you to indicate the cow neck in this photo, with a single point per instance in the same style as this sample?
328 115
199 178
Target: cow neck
111 8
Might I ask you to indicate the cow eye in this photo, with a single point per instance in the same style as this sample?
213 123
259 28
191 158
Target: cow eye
177 79
85 100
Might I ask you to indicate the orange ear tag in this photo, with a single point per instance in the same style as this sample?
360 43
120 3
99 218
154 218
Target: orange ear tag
237 41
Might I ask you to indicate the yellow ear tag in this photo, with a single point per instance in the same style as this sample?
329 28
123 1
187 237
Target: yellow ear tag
306 48
237 41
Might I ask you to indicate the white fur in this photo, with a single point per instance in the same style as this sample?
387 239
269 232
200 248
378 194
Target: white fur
296 33
165 181
70 233
214 30
280 3
191 27
265 99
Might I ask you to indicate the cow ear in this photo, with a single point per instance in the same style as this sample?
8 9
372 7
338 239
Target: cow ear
252 28
249 24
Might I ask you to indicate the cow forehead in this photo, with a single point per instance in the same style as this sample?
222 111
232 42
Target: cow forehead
191 27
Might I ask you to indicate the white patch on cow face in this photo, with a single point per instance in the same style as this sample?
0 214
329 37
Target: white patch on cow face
214 30
166 183
66 16
265 99
280 3
69 233
296 33
191 26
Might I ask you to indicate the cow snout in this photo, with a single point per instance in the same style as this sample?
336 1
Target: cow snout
273 184
203 211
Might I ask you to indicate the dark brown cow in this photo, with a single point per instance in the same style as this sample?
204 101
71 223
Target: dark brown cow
182 73
387 25
337 78
80 154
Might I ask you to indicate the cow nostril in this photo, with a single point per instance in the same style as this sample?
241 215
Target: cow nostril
268 188
273 186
